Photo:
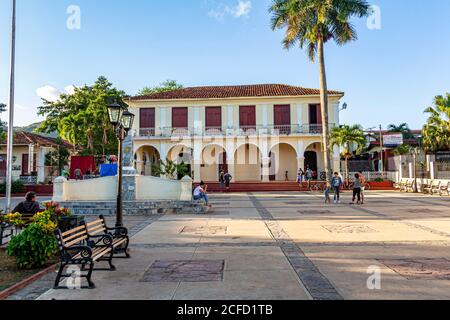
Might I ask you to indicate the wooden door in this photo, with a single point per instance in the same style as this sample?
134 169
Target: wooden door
213 117
247 117
180 118
25 161
282 117
147 118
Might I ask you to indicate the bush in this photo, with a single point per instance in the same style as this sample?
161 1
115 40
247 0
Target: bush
379 180
16 187
36 245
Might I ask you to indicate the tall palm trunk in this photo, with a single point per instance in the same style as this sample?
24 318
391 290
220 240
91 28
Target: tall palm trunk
324 107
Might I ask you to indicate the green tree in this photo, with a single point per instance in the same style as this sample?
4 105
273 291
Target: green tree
168 85
436 132
82 118
58 158
351 139
170 169
3 125
311 24
402 150
401 128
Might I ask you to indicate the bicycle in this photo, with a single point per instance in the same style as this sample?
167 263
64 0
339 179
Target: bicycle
316 187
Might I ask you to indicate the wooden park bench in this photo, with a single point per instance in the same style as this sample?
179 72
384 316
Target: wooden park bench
433 188
409 186
120 242
445 188
76 249
401 184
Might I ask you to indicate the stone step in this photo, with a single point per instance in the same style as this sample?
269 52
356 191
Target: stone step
135 208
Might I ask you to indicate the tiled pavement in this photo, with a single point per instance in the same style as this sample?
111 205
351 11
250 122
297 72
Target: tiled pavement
282 246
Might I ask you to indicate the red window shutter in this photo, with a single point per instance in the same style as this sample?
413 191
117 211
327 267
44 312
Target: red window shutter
147 118
282 115
319 114
213 117
179 117
247 116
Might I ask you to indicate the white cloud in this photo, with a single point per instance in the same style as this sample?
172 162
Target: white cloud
240 10
52 94
70 89
48 93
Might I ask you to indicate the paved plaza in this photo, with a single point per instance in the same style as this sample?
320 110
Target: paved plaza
282 246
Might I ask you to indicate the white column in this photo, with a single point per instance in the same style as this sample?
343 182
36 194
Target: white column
198 145
411 174
41 165
432 171
336 114
198 123
265 169
265 115
300 163
30 158
300 120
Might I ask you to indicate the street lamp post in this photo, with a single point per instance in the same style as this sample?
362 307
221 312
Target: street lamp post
382 151
10 139
122 120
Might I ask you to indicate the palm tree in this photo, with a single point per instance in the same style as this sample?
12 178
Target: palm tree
311 24
401 128
350 139
436 133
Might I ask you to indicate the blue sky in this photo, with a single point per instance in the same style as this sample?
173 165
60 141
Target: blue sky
389 75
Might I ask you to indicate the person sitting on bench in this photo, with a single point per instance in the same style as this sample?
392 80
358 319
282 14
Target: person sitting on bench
29 206
200 193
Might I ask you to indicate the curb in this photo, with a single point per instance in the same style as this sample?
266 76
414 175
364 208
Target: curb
25 283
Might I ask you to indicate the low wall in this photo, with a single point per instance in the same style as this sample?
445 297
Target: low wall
101 189
105 189
151 188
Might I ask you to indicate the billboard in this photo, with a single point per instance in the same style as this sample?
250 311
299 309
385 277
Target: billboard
393 140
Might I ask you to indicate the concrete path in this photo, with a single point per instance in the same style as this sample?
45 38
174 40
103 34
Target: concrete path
285 246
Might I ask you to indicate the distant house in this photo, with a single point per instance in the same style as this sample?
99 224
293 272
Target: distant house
29 153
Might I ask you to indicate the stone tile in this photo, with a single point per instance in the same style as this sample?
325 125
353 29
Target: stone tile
246 285
349 229
432 269
210 230
185 271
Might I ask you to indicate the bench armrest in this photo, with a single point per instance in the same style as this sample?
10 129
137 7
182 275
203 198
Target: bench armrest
119 230
85 251
103 239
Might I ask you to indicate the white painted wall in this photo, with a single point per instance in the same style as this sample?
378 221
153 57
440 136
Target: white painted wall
101 189
151 188
105 189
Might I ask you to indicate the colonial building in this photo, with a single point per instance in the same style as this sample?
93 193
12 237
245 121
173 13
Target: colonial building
255 132
29 158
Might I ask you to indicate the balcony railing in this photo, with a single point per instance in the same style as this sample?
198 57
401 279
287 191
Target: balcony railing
278 130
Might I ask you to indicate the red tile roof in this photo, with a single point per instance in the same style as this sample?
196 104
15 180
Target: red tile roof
27 138
223 92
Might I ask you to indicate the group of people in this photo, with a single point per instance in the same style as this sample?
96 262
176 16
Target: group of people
337 183
307 175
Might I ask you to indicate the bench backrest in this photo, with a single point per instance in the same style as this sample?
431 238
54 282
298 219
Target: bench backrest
436 183
96 227
72 237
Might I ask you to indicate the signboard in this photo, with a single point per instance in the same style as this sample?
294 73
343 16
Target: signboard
393 140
